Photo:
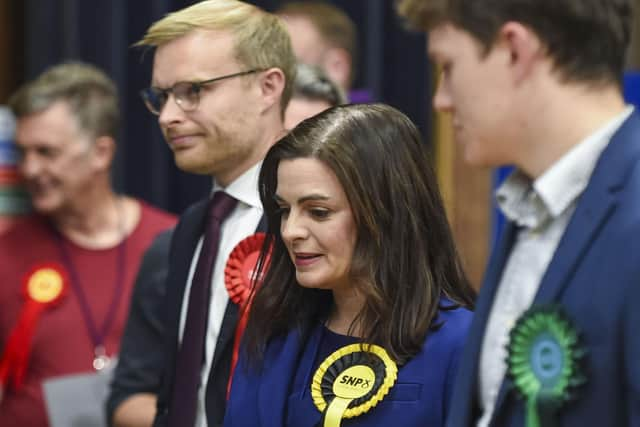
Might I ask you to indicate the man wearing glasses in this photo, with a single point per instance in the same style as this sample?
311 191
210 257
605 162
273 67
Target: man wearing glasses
221 81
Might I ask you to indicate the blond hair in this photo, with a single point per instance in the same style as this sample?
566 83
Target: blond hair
261 40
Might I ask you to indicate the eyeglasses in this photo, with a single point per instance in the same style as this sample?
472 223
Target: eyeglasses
185 94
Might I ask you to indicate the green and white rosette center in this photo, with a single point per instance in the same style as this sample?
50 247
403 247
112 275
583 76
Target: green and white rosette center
544 362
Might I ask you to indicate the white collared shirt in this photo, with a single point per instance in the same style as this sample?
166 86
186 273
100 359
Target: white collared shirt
242 222
542 210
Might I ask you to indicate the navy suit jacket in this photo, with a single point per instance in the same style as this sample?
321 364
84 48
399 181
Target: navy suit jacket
421 395
185 239
594 275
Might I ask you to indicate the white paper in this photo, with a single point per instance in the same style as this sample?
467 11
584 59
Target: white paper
77 400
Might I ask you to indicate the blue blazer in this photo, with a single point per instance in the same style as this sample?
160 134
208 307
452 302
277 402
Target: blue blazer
595 276
421 395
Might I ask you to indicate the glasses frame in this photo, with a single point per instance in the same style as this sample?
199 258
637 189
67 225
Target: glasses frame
196 87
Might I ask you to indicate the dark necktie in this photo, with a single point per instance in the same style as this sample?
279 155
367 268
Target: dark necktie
189 362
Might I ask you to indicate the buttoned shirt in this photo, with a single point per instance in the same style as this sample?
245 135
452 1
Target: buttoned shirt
241 223
541 209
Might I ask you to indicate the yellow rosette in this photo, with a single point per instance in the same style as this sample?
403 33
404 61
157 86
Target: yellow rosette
45 285
351 381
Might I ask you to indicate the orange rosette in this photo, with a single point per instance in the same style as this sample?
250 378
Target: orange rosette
239 278
44 286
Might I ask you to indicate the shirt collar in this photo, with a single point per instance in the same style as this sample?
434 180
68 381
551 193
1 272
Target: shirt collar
519 203
244 188
531 204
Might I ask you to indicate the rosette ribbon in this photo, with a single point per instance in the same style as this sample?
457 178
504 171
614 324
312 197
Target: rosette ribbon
351 381
44 286
239 279
545 363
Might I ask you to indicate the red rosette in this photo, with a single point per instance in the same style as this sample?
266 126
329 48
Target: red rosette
240 269
239 278
43 287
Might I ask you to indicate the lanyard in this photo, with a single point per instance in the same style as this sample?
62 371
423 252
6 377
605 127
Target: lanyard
96 334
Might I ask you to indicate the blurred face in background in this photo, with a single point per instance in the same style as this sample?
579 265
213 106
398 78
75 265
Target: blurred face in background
308 45
58 161
301 108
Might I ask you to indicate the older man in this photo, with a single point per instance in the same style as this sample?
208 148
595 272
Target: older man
67 272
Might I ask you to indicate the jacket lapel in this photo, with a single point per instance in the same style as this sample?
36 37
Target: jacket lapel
595 206
229 322
465 399
581 231
185 241
227 331
183 244
282 363
221 362
585 224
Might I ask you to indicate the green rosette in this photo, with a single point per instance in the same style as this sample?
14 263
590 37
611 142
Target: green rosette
545 363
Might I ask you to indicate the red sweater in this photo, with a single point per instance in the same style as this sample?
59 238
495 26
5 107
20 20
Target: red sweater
62 344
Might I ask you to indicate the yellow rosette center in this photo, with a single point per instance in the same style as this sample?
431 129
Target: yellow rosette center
45 285
354 383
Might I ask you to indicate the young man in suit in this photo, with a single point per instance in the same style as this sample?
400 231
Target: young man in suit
536 84
140 361
221 80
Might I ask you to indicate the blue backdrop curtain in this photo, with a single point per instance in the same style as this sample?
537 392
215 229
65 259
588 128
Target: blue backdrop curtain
393 67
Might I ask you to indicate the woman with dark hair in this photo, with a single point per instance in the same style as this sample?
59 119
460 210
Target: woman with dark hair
364 306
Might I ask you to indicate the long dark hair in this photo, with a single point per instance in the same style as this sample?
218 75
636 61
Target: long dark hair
404 259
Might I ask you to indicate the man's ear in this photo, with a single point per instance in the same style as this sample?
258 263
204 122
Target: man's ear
524 46
104 151
272 82
337 63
